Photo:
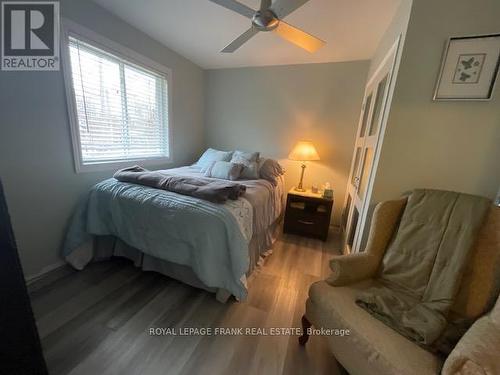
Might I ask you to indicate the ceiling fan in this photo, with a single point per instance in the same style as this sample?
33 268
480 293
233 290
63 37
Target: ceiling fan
270 18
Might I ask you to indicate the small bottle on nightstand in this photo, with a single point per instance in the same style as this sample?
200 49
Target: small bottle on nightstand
328 191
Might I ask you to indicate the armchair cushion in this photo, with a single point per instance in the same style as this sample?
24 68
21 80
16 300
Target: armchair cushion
371 347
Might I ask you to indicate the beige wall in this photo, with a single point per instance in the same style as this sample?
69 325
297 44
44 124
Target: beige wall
443 145
269 109
36 161
397 27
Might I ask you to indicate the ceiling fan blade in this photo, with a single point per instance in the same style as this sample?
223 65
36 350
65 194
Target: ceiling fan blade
298 37
236 6
283 8
239 41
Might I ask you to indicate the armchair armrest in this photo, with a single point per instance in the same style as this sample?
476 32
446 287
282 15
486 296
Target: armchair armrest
351 268
348 269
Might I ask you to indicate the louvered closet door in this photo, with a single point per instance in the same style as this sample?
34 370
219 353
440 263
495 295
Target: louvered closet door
362 165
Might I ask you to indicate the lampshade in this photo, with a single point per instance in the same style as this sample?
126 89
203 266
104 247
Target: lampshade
303 151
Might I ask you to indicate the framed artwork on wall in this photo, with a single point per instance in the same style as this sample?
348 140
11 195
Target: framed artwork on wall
469 68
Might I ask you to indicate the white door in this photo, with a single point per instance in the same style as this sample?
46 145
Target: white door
370 128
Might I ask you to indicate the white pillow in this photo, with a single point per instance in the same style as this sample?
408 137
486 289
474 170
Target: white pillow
211 155
224 170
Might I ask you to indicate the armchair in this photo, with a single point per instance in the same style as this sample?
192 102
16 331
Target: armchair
374 348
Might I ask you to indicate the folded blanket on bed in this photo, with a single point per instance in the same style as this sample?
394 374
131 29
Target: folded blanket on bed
203 188
423 266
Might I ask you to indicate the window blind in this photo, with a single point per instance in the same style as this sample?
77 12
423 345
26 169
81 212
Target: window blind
121 107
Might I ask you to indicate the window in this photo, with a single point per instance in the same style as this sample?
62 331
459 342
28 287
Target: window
120 108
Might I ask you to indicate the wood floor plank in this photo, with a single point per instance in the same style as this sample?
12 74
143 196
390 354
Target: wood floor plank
177 351
73 306
214 354
125 311
312 255
114 354
271 350
42 282
262 289
47 298
67 346
313 358
152 348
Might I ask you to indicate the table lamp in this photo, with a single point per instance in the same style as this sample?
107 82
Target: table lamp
303 151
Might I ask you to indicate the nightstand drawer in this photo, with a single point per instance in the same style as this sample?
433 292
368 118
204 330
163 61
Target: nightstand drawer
308 216
316 208
306 219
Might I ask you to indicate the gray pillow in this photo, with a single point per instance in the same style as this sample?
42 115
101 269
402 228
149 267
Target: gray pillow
250 171
250 156
270 170
250 162
212 155
224 170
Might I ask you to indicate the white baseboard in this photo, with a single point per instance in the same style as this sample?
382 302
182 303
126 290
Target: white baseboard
32 278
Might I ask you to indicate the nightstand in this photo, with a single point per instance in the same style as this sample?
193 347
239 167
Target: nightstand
307 214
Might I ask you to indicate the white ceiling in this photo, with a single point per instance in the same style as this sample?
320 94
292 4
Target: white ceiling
199 29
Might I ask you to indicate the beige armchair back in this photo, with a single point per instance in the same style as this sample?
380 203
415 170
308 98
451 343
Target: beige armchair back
481 282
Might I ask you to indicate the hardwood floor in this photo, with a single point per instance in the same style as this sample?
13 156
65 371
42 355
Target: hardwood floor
97 321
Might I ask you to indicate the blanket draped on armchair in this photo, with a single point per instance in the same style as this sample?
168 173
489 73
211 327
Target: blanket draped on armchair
423 265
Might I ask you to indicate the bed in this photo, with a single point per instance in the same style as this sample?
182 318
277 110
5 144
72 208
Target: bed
207 245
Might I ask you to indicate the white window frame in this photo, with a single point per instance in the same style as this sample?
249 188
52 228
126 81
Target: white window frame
70 28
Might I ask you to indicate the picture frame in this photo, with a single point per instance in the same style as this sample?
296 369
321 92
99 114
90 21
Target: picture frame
469 68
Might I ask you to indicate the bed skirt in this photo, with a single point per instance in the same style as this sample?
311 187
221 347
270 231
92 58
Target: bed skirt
104 247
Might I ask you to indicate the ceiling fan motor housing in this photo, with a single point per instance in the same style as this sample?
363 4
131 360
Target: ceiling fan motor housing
265 20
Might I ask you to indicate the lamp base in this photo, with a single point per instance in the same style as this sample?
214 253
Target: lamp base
300 187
